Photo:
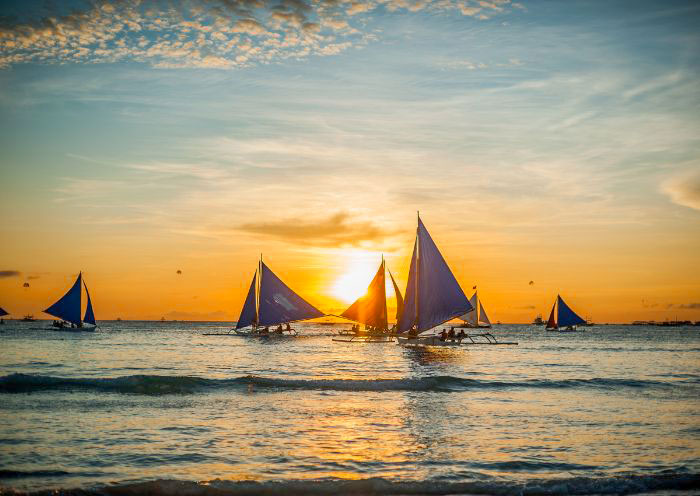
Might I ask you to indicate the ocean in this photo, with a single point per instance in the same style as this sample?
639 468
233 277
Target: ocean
159 408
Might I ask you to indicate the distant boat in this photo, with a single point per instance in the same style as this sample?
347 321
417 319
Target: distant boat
432 297
28 318
68 309
538 320
2 314
370 310
562 318
271 302
476 318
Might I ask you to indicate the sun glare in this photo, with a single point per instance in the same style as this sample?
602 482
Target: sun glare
360 269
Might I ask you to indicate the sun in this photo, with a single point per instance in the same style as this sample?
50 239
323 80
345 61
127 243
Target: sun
360 269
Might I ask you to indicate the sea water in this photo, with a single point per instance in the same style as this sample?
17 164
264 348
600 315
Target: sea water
610 410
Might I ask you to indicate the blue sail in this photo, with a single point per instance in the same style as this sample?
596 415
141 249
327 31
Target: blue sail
3 313
279 304
68 307
566 316
408 315
89 314
247 316
440 297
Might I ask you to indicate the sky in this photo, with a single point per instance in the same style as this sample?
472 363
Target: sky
550 147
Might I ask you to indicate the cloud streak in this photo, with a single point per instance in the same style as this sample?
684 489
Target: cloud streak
9 273
684 189
337 230
205 33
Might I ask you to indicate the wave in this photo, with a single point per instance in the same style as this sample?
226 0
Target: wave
162 384
627 484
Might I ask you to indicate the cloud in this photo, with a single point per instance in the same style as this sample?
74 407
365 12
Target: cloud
9 273
690 306
335 231
684 189
200 33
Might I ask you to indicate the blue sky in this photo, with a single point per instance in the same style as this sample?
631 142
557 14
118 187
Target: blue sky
218 127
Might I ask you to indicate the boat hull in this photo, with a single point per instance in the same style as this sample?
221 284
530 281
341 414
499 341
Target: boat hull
422 341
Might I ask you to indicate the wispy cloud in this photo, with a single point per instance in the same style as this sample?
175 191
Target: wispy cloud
206 33
336 230
690 306
684 188
9 273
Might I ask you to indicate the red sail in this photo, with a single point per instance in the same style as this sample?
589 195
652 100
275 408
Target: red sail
551 324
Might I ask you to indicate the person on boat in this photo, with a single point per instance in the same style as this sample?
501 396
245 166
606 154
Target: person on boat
451 333
279 330
413 333
266 330
287 328
443 335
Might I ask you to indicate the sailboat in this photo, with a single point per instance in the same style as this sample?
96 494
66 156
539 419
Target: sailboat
68 309
433 295
370 310
562 318
271 302
477 317
2 314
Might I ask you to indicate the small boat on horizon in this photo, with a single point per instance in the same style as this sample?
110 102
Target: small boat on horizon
68 307
28 318
562 318
271 302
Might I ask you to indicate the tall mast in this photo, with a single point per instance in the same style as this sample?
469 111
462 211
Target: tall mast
476 307
417 267
258 285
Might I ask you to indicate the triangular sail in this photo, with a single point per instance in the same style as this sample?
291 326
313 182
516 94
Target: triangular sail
408 316
551 323
566 316
440 298
247 316
399 299
279 304
89 314
68 307
470 316
3 313
437 294
483 318
370 309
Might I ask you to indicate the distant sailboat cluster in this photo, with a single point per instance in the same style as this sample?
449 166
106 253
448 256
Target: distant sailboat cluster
431 298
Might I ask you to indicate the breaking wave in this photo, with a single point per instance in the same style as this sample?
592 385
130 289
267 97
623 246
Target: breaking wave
160 384
629 484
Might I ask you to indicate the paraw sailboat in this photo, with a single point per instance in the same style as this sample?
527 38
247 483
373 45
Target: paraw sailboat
370 310
562 318
68 309
477 317
271 302
432 297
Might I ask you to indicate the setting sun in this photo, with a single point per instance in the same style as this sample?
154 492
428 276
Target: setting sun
353 282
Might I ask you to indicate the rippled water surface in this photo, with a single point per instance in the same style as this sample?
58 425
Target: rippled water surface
614 409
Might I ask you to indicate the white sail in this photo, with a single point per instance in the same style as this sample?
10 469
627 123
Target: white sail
483 318
470 316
